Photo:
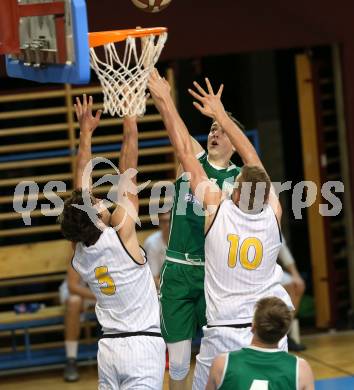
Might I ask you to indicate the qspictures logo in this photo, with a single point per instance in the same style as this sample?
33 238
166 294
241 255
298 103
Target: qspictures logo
303 195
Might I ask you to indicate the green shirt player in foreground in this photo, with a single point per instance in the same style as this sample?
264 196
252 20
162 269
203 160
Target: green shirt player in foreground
262 366
182 276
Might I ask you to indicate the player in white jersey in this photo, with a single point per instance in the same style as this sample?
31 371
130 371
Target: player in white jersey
131 352
243 237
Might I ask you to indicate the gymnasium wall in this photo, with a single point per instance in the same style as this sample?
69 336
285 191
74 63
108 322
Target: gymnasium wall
200 28
209 27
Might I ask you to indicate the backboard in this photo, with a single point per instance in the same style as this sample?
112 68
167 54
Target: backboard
48 40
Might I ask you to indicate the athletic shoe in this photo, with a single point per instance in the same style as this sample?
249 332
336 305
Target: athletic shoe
294 346
70 371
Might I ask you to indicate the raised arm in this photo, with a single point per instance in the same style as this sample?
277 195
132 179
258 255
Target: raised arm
210 105
197 149
181 141
125 215
129 151
88 124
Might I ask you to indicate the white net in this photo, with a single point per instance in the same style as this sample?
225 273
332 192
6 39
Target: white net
124 79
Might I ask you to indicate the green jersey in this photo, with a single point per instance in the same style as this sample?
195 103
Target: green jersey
187 218
253 369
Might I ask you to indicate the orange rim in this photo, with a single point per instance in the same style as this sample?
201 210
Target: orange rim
103 37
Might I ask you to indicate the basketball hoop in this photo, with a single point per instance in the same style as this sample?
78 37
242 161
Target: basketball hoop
124 79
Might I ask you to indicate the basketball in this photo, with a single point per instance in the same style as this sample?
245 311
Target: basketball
151 5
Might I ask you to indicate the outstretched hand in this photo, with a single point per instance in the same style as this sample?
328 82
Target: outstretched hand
208 104
159 87
87 121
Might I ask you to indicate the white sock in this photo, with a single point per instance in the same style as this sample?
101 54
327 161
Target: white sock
295 330
71 348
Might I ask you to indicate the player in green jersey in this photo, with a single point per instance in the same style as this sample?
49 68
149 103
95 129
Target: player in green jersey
182 276
262 366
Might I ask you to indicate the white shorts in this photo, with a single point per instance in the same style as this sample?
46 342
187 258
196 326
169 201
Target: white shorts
219 340
64 292
134 363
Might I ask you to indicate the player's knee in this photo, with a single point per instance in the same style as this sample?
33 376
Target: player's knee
74 303
179 370
179 359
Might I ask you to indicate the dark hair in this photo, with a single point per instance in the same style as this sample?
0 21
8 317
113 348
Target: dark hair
254 175
76 224
271 320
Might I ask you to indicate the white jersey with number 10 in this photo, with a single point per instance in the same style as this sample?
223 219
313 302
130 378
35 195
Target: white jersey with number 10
241 251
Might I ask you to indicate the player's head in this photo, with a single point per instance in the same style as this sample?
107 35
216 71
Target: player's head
252 188
76 224
219 144
271 320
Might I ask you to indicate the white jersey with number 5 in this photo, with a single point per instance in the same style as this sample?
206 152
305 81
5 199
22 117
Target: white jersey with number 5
124 289
241 251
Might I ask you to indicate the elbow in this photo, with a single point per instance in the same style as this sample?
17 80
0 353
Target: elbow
72 289
252 159
184 150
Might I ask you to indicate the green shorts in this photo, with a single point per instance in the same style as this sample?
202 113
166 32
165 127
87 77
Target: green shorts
182 301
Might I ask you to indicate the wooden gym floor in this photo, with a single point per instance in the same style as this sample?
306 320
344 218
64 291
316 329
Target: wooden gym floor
330 355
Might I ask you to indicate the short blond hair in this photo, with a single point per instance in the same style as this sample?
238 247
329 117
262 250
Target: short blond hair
254 175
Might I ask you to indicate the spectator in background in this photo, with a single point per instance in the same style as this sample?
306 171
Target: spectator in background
76 297
155 247
295 286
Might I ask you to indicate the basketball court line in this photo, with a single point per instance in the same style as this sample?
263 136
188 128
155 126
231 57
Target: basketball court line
320 335
308 356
